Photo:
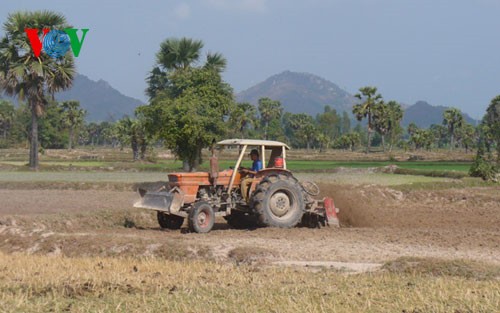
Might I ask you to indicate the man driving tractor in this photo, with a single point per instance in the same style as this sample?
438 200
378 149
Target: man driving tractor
250 173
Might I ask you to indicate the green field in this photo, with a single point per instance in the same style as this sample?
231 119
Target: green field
294 165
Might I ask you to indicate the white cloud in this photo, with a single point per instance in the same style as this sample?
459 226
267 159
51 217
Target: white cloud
242 5
182 11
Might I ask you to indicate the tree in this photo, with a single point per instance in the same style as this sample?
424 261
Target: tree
243 116
7 114
194 117
176 86
348 141
491 122
28 77
299 129
179 54
453 120
329 124
420 138
346 123
269 110
371 99
73 118
466 136
440 134
395 112
132 132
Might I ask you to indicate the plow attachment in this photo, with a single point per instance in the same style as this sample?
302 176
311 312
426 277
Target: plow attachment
331 212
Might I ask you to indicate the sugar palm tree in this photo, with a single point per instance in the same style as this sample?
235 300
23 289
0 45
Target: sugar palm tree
453 120
74 117
31 78
370 99
243 117
179 54
269 110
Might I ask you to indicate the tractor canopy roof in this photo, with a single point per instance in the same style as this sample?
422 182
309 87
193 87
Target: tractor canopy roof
252 142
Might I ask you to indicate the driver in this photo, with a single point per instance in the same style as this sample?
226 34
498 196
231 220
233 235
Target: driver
250 173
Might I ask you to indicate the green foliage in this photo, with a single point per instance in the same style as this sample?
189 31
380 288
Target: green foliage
387 121
329 126
421 138
440 134
370 100
243 119
28 77
483 168
348 141
270 111
300 129
52 133
189 105
484 165
7 114
191 113
133 133
73 118
491 125
453 120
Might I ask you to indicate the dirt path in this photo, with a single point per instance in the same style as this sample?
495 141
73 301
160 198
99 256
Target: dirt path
380 224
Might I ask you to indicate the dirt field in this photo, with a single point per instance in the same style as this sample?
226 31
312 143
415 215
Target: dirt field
379 224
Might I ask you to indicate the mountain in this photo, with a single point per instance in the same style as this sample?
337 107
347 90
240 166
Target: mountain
423 114
300 93
101 101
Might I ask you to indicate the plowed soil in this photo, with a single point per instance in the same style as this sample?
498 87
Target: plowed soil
378 224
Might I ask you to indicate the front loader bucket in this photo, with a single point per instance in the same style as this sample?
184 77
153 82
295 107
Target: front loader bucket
155 200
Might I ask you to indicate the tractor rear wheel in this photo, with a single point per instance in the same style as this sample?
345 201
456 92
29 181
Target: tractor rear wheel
169 221
201 218
278 201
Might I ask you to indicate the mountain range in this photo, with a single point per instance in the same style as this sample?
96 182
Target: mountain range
102 102
308 93
424 115
300 93
297 92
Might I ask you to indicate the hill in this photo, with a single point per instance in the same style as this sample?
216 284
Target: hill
423 114
300 93
100 99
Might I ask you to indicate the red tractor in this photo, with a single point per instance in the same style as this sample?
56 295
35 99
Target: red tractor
272 197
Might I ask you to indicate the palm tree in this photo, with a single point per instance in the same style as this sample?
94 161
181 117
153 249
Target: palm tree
25 76
177 53
453 120
243 117
73 118
131 131
216 61
269 110
365 109
386 119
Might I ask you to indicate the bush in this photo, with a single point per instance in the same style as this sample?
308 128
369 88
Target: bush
483 168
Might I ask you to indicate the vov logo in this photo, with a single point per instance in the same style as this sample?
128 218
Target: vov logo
56 42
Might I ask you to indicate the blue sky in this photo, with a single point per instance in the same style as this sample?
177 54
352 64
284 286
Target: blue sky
441 51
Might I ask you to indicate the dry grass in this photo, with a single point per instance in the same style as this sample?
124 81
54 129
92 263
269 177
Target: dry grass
58 284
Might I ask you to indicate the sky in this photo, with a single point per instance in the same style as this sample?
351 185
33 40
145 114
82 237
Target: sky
445 52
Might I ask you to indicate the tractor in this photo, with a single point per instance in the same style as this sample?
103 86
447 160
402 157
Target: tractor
273 197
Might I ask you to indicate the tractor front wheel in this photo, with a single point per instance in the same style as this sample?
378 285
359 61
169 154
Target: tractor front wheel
169 221
201 218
